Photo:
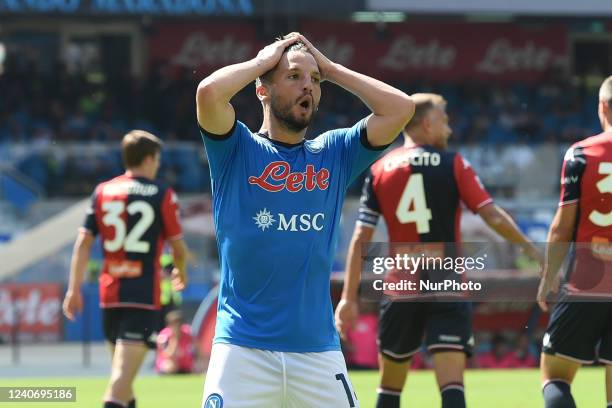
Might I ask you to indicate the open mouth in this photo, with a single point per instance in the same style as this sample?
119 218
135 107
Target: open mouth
305 103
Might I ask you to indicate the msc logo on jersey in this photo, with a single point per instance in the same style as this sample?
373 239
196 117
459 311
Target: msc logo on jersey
264 219
213 401
277 176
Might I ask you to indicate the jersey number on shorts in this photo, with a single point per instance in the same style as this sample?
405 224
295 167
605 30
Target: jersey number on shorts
128 240
604 186
347 389
414 196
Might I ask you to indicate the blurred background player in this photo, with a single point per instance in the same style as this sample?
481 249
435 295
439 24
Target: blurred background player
277 201
170 298
420 201
134 215
175 351
584 216
503 355
359 344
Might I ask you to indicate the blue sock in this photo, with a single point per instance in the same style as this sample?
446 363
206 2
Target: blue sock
557 395
388 398
453 395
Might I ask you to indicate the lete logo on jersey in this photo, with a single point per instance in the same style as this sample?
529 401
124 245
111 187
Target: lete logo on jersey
277 176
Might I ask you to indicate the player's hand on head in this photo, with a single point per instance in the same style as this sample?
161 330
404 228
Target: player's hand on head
271 54
73 304
347 313
324 63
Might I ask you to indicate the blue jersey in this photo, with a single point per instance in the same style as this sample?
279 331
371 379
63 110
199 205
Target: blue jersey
276 209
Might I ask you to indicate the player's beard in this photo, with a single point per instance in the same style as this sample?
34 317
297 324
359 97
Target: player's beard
283 111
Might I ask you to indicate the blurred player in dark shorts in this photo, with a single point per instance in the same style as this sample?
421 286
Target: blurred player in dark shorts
418 189
134 216
582 319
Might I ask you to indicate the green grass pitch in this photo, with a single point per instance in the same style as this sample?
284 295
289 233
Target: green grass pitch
485 388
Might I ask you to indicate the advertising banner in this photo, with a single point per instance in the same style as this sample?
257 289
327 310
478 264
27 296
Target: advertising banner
433 51
444 51
31 311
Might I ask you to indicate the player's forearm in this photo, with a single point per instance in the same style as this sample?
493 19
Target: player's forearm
179 256
78 263
223 84
381 98
559 239
501 222
352 276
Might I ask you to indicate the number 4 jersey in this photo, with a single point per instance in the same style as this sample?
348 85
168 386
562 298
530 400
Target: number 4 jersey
134 216
418 190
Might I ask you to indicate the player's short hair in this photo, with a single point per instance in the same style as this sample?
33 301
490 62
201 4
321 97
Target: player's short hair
267 77
605 91
137 145
423 102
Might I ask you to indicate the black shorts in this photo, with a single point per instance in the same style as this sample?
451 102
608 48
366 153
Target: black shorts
130 325
576 328
447 326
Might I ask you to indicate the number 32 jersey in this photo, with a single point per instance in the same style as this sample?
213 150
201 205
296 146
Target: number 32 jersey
134 216
418 190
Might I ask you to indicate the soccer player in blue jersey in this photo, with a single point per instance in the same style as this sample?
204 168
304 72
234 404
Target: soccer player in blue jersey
277 201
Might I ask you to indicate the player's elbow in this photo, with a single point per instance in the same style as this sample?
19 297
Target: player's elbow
406 108
206 92
560 233
179 249
84 241
362 234
402 107
494 220
492 215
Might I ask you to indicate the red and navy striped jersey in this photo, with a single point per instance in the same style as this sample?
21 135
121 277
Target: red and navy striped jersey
586 179
418 190
134 216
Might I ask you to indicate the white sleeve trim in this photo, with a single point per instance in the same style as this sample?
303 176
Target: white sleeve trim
368 211
562 203
365 224
485 202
